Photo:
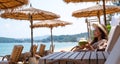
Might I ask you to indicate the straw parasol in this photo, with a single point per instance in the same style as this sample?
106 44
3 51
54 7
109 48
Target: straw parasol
50 24
75 1
30 14
11 4
96 11
104 8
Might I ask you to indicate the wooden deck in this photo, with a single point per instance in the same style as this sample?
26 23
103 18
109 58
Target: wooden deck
89 57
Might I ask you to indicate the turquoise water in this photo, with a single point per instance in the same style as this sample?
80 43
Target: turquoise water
6 48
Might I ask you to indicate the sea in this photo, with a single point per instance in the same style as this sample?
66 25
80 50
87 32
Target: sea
6 48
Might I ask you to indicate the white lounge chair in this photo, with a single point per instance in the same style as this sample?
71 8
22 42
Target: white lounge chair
114 57
112 37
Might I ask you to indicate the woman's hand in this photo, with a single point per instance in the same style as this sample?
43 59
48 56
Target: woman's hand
77 48
88 46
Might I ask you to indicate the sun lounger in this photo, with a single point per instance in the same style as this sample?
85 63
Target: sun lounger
114 57
25 56
41 51
61 61
112 37
91 57
14 57
34 49
50 51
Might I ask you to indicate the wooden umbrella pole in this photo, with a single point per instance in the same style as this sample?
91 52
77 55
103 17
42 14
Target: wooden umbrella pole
87 27
98 15
31 21
89 30
51 39
99 19
104 12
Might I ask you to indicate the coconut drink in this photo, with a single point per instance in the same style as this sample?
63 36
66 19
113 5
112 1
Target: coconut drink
82 42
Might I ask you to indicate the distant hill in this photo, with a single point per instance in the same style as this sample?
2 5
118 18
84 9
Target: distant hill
60 38
66 38
41 37
6 40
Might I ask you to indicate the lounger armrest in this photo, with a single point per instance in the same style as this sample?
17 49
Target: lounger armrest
76 48
24 56
6 56
47 52
37 56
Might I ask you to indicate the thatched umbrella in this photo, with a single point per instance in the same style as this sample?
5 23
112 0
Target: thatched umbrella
76 1
11 4
50 24
30 14
95 11
104 8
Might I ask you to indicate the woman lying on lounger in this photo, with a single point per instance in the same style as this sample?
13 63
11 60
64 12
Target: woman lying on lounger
99 42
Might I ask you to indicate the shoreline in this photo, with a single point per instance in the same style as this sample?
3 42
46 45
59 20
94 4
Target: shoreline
6 49
57 50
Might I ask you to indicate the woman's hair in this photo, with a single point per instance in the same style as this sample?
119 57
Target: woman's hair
103 35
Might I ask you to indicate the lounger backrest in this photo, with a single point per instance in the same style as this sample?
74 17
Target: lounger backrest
17 50
114 57
112 37
34 49
42 49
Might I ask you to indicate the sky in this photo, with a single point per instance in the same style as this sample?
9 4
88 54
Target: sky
20 28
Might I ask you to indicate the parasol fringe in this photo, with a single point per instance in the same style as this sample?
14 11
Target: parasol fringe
76 1
25 2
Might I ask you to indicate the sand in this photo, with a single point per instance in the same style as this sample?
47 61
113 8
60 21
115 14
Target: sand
63 49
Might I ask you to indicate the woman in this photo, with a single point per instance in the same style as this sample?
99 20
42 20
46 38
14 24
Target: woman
99 42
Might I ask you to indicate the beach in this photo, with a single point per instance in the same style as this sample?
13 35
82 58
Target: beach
64 49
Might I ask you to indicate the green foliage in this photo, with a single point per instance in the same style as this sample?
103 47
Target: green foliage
108 27
66 38
6 40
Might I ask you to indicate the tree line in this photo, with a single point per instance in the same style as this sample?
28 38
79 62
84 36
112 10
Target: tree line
60 38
